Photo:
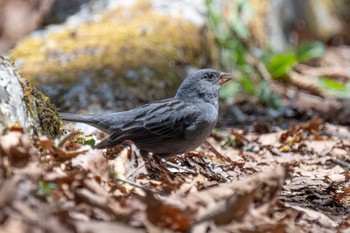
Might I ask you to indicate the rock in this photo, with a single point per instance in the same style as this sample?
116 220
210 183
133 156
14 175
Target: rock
62 9
22 107
118 60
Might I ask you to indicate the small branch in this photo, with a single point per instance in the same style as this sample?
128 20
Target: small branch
217 153
177 166
340 162
138 185
135 170
68 138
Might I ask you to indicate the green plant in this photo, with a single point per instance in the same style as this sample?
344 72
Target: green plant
82 140
336 88
45 189
279 64
232 34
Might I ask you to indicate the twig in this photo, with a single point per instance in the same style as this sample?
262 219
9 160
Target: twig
340 162
260 67
138 185
135 170
177 166
216 152
68 137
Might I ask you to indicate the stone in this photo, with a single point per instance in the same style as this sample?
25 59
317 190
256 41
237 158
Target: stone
23 107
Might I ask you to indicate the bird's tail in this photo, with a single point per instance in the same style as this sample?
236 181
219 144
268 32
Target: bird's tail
88 119
93 120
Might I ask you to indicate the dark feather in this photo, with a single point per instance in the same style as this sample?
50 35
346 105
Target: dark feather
164 124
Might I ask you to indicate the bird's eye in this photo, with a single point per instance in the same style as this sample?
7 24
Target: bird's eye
209 76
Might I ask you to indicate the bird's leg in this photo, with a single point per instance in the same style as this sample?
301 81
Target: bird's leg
144 154
157 163
160 159
152 162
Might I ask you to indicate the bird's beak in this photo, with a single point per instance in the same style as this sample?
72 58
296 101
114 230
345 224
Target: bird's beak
224 77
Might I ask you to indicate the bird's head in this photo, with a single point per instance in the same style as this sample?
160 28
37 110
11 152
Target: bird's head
203 84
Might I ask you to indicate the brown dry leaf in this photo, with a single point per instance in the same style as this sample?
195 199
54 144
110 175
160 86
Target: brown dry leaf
230 191
224 204
13 225
302 183
207 167
120 164
269 139
169 184
239 136
344 226
230 202
45 142
102 204
65 154
260 221
92 161
313 215
343 197
191 185
313 124
126 161
321 148
99 226
18 148
68 149
174 215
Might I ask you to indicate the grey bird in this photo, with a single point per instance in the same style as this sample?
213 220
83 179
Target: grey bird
167 127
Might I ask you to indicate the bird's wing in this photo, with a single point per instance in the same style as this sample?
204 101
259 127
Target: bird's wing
162 121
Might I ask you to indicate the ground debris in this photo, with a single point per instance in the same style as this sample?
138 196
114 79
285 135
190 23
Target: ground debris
292 180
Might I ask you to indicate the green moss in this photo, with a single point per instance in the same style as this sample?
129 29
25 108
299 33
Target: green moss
41 114
2 123
41 110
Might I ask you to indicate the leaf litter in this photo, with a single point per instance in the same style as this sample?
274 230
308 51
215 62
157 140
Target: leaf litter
257 180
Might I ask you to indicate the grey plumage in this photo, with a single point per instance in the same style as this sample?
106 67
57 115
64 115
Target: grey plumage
166 127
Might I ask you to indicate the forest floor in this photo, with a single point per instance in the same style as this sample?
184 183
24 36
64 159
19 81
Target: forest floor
271 171
265 179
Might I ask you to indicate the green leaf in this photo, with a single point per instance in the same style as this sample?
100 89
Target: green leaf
309 50
248 86
112 174
337 88
91 142
45 189
82 140
280 64
328 84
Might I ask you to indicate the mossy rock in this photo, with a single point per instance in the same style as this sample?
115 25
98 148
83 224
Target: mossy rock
126 58
23 107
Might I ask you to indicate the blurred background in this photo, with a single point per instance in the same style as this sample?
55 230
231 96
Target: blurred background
291 59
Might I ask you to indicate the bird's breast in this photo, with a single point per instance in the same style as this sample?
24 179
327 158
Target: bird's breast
199 130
